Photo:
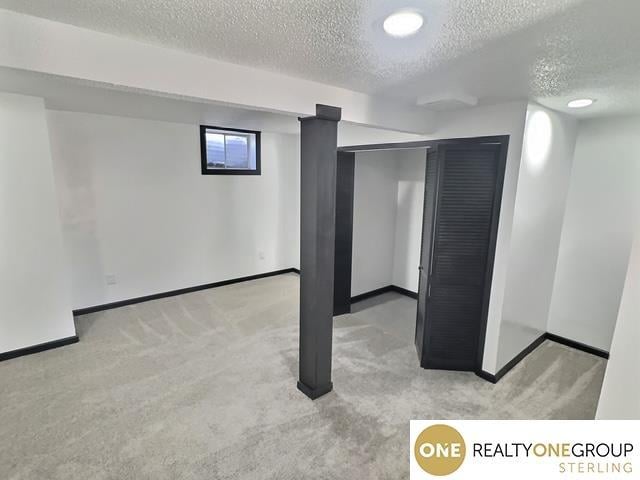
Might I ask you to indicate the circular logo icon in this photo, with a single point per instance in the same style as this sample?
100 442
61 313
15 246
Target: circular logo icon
440 450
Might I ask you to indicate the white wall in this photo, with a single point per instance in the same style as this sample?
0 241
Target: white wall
387 219
134 205
603 203
374 216
620 395
543 182
34 300
410 172
350 134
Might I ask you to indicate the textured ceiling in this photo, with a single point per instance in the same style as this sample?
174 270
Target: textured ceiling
548 50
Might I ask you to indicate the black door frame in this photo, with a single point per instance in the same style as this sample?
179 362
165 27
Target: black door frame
346 241
344 233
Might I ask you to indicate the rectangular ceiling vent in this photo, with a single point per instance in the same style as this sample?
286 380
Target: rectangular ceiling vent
447 102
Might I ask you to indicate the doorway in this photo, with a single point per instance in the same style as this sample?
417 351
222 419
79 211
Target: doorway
462 196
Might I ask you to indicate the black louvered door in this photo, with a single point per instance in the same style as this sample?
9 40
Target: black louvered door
465 182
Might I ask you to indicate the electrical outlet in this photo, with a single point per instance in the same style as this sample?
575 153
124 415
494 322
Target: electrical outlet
111 279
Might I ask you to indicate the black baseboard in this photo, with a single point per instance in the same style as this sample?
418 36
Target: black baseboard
172 293
489 377
577 345
404 291
38 348
380 291
495 378
314 393
535 344
518 358
372 293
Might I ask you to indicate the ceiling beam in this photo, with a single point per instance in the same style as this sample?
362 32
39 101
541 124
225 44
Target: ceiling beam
36 44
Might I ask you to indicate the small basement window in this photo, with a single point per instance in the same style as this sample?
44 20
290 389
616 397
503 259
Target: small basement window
229 151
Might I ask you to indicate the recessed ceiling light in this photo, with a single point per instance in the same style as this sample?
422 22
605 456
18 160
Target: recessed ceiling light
403 23
580 103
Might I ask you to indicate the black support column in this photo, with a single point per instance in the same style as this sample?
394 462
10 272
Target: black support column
318 163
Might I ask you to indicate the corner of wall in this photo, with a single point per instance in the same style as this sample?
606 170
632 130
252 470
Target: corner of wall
539 205
36 303
512 121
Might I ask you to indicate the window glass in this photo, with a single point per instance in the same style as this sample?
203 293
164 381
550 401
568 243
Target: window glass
230 151
237 151
215 150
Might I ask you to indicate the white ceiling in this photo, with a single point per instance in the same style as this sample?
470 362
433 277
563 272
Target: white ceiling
547 50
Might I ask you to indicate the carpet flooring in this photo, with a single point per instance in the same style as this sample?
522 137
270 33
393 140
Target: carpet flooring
203 386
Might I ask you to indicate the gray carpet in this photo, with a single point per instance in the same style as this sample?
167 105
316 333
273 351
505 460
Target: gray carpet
202 386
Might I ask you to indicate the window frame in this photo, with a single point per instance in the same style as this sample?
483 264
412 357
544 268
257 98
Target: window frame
227 171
